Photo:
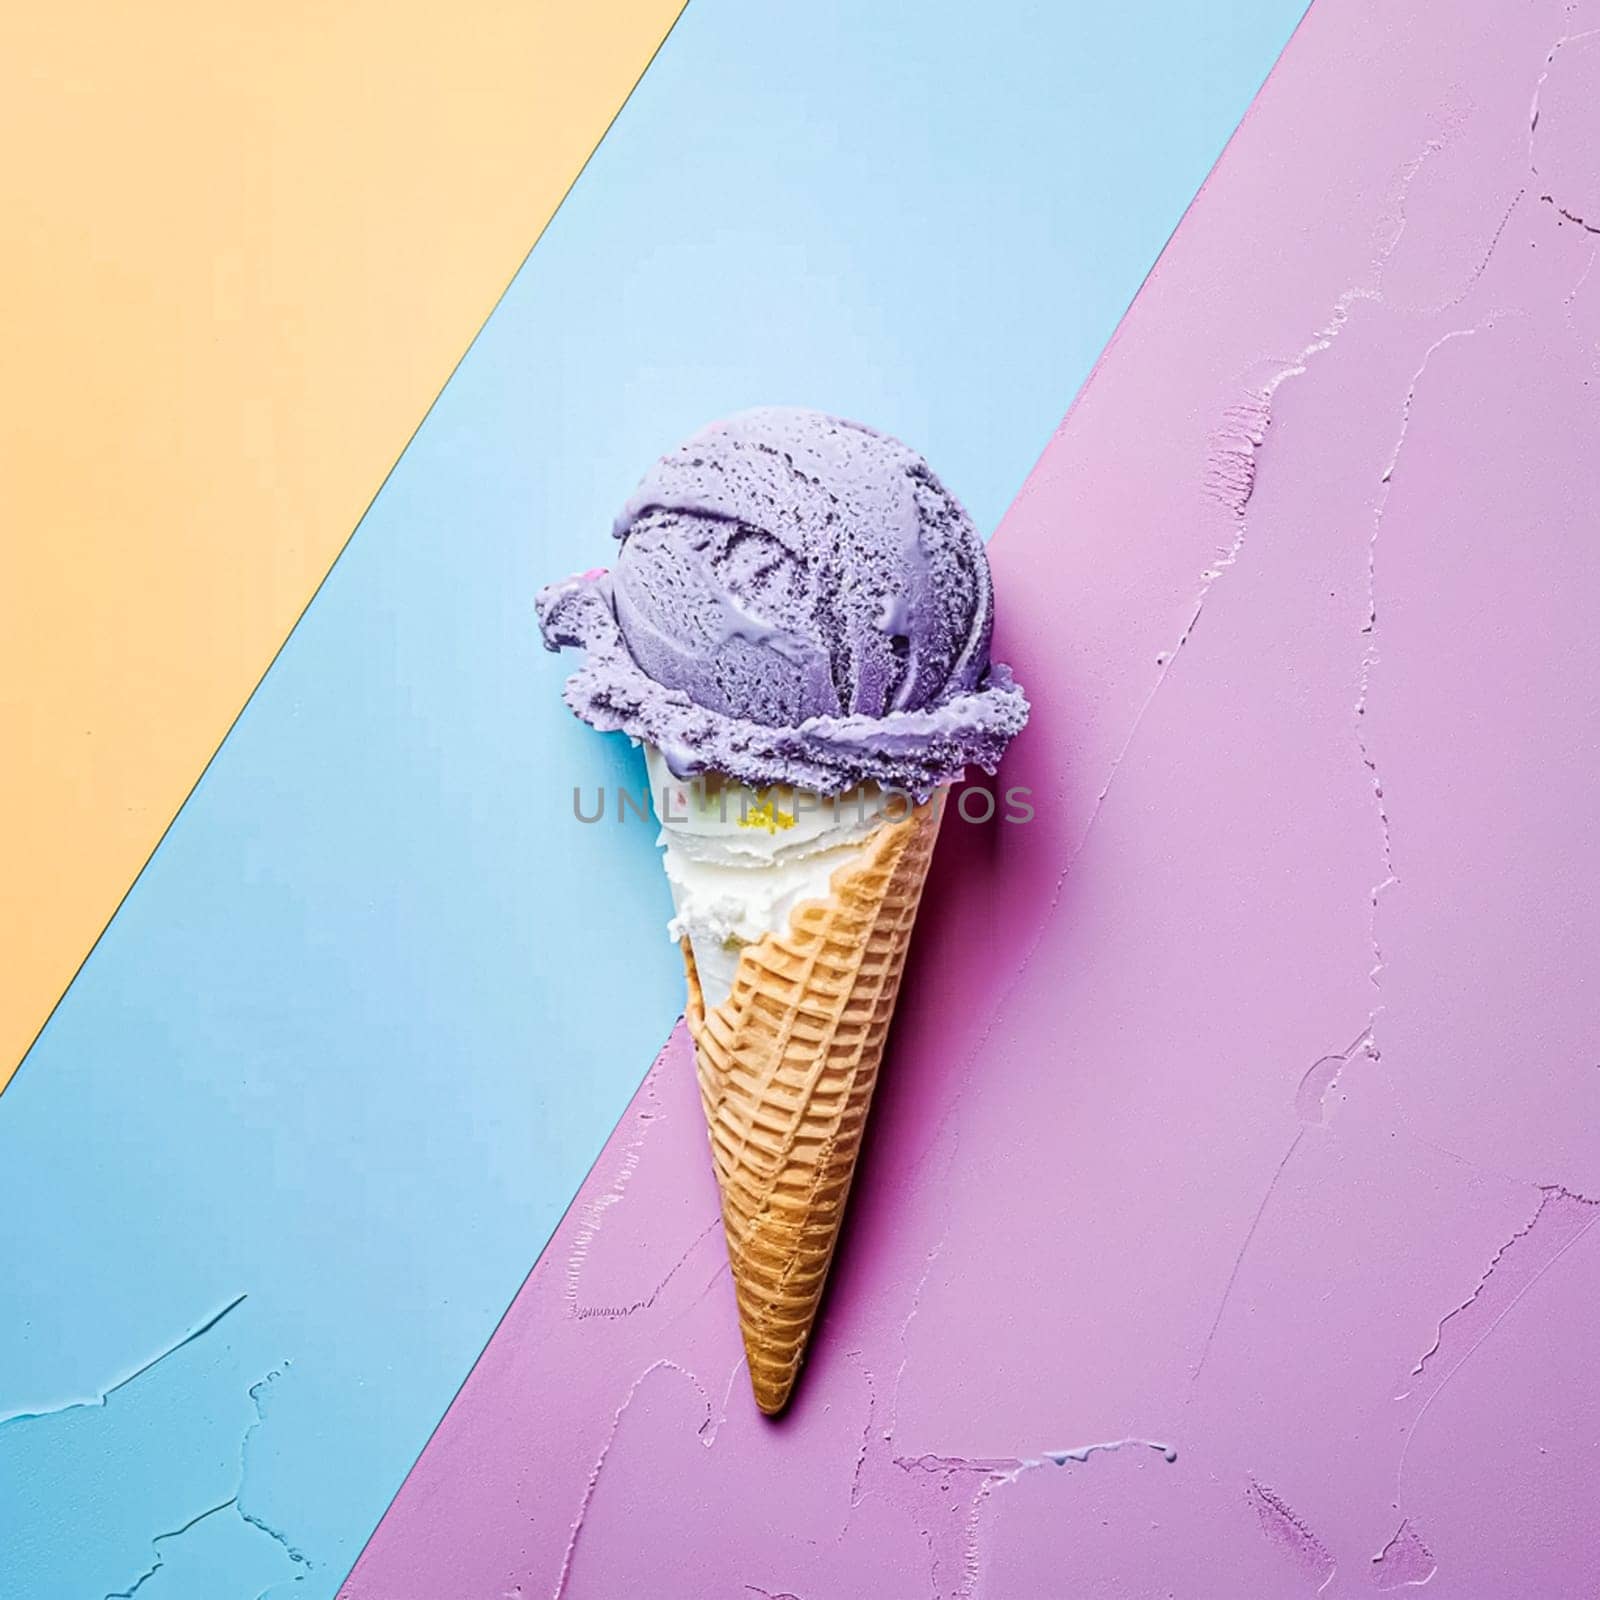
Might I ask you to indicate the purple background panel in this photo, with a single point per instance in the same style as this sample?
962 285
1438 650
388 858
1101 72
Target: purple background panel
1242 1104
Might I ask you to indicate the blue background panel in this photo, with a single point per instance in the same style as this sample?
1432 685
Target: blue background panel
373 1007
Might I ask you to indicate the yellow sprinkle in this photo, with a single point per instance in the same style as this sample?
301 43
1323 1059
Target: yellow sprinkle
766 815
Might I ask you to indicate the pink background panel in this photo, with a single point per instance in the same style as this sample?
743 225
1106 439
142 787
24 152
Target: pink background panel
1244 1103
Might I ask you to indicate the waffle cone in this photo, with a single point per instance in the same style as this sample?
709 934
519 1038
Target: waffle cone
787 1064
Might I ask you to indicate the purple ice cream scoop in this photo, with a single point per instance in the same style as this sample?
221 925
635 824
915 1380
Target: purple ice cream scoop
798 599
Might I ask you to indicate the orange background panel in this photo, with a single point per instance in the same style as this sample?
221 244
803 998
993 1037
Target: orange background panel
244 247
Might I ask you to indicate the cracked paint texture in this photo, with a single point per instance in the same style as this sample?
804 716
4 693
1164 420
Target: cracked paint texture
1300 590
192 1527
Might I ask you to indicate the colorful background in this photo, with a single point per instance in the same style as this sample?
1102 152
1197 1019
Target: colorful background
1227 1222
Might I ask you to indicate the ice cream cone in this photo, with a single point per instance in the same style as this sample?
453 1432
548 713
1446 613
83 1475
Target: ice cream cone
787 1065
797 630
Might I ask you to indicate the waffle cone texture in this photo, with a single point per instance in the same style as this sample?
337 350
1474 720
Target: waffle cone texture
787 1065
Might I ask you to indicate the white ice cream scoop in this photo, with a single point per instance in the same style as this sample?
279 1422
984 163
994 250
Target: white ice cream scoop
739 860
